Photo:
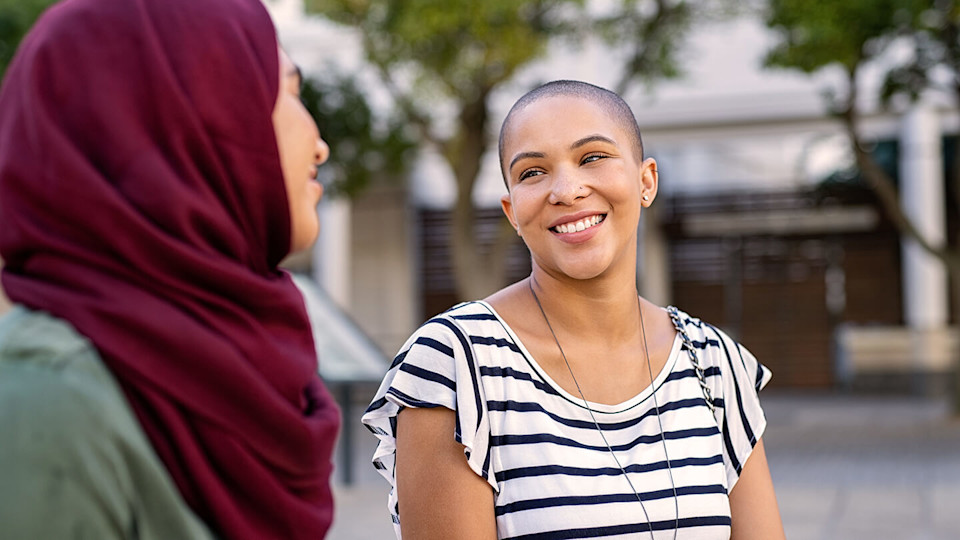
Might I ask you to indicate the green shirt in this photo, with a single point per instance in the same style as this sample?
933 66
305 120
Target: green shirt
74 461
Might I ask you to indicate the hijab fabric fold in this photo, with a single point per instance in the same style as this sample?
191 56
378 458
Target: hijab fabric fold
142 200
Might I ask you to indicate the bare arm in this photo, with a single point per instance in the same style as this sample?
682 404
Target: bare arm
439 494
753 504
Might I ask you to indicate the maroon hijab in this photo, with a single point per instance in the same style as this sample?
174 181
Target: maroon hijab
142 200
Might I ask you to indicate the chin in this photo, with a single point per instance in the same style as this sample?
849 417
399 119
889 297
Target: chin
305 238
586 271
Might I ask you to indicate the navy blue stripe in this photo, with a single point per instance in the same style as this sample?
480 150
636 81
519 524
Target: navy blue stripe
496 371
435 345
727 437
548 470
705 343
552 502
484 340
471 366
523 406
398 358
428 375
690 321
629 528
375 430
760 371
475 317
410 401
538 438
747 428
376 405
486 462
743 413
712 371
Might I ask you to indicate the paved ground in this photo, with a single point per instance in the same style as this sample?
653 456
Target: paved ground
845 468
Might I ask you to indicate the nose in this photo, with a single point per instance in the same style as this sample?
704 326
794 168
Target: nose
322 152
566 188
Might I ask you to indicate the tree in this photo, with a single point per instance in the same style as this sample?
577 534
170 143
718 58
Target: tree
853 33
362 150
441 60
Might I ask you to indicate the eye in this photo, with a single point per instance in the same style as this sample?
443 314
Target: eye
591 158
529 173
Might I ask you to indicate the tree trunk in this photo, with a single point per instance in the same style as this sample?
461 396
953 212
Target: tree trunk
477 273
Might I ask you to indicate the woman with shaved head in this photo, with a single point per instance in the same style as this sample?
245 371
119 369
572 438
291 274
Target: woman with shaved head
566 405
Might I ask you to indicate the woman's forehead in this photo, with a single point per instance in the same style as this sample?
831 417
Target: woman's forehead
561 117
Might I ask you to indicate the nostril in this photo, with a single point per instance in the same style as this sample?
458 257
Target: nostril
322 151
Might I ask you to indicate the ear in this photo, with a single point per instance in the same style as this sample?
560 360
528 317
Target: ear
506 204
649 181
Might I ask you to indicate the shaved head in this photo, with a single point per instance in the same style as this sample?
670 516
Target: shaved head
609 101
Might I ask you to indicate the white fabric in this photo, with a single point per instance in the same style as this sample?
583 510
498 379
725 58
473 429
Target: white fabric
537 447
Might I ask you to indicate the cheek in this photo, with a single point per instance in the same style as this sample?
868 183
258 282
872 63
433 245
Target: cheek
293 131
525 206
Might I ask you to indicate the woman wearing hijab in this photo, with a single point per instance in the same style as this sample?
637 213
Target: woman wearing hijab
158 374
566 405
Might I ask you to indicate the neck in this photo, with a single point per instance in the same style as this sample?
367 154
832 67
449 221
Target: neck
601 308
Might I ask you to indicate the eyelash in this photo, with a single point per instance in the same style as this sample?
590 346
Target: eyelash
586 159
528 173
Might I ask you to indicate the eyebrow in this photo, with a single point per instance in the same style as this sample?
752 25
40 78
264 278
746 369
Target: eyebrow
525 155
295 72
577 144
590 139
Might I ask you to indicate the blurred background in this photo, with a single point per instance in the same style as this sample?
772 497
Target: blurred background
809 205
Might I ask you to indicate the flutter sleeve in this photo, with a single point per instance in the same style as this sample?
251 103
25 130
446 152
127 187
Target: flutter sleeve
741 418
434 368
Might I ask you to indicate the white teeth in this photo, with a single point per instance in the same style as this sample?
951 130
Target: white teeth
578 226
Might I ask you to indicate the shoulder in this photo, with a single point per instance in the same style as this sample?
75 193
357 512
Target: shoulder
56 392
461 326
53 374
74 457
721 352
704 335
63 417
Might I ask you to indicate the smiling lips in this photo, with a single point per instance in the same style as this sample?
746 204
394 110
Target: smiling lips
579 225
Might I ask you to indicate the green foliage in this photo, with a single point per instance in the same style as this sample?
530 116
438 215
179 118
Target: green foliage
361 151
814 34
461 49
16 18
935 38
454 47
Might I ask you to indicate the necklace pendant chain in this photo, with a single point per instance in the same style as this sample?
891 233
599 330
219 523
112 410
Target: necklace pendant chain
653 392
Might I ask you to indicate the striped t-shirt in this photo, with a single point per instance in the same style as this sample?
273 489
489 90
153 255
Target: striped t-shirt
536 445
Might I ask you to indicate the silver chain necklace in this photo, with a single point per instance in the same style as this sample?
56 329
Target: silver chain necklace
656 406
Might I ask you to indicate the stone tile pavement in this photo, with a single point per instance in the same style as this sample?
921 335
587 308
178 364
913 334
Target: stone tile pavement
844 467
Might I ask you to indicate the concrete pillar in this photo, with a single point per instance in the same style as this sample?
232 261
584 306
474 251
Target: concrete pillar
923 199
331 255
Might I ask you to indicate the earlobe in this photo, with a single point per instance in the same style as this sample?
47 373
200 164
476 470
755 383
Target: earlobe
507 206
649 179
